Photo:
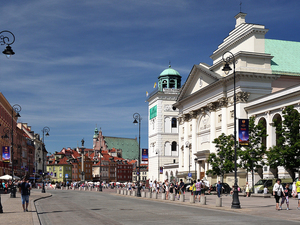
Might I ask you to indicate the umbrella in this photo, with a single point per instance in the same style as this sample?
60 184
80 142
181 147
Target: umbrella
8 177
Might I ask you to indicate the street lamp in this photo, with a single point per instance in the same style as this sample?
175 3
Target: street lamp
5 40
235 200
14 110
252 154
188 145
137 119
8 52
157 153
100 186
45 130
196 159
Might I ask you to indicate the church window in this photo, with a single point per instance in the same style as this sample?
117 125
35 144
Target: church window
164 84
174 122
174 146
172 83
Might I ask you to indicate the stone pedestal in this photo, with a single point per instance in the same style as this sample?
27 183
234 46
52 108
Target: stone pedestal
182 197
192 199
61 188
172 197
118 191
133 193
38 187
163 196
128 192
219 202
79 188
154 195
73 188
122 192
125 192
143 194
203 200
84 188
67 188
149 194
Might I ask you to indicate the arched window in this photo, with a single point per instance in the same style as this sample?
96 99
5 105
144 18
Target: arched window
164 84
172 83
174 146
277 120
264 123
174 122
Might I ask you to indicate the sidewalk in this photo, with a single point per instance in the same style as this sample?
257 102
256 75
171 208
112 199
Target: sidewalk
13 210
256 206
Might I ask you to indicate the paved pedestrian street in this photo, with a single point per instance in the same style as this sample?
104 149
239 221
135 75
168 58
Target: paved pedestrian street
108 207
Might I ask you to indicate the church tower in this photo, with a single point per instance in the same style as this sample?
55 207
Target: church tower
163 127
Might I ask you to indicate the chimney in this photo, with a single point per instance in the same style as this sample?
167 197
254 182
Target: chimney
240 19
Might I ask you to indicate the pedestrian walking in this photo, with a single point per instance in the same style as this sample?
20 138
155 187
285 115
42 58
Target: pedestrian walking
25 190
247 189
198 190
219 188
277 191
285 197
181 188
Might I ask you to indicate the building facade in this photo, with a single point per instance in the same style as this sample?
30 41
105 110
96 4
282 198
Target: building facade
264 81
163 125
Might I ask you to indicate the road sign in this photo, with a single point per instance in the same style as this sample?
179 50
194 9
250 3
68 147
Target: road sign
66 176
189 174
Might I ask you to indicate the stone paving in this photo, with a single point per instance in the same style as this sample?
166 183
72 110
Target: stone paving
258 206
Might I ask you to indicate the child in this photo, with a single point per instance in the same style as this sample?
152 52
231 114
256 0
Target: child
285 196
265 190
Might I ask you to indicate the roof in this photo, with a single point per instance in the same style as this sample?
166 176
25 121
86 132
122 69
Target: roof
286 56
169 71
129 146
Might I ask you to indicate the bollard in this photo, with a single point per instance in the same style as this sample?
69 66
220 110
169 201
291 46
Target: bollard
79 188
128 192
67 188
143 194
61 188
90 188
38 187
182 197
122 192
172 197
133 193
84 188
219 202
118 191
149 194
154 195
73 188
192 199
163 196
203 200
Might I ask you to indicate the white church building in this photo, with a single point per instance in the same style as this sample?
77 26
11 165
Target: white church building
267 79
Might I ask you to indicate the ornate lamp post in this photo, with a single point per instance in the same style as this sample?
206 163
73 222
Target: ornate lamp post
235 200
252 154
45 130
15 110
4 40
195 168
100 186
137 119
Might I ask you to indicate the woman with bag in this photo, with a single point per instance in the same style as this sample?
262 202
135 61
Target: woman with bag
277 192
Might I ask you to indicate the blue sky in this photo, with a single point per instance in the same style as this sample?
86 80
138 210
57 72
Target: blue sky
79 64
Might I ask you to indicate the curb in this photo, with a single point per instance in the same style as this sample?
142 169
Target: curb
35 217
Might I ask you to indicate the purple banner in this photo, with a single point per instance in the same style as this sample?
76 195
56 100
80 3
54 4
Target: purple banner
243 132
144 154
6 154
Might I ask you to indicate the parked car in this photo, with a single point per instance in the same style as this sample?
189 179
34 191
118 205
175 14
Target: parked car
226 187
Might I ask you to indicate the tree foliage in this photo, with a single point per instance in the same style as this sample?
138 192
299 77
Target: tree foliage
223 160
287 150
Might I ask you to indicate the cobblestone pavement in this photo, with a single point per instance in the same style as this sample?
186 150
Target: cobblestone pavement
258 206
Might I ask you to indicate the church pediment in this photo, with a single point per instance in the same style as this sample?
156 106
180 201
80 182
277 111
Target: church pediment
199 78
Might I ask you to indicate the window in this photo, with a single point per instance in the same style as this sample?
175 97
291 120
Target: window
60 175
60 168
53 168
174 146
174 122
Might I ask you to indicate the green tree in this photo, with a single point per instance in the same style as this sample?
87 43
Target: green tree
256 146
287 150
223 160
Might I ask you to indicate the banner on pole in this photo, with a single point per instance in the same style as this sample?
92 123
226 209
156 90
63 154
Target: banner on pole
6 154
244 132
145 154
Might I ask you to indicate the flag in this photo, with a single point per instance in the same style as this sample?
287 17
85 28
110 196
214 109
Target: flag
147 93
154 85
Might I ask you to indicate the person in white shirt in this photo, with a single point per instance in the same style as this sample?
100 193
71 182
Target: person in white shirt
277 192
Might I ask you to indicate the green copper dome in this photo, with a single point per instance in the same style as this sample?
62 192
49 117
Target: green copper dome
96 133
169 71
